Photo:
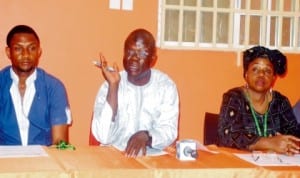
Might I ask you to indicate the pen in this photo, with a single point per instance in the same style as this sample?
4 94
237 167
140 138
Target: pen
98 64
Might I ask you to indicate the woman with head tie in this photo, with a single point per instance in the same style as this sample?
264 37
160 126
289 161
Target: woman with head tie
255 117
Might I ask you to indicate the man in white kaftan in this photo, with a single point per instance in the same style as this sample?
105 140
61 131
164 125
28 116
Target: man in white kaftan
139 107
152 107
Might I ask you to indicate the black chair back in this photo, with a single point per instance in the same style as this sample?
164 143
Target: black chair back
211 121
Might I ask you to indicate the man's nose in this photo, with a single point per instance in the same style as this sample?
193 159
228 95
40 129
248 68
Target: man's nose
25 52
134 56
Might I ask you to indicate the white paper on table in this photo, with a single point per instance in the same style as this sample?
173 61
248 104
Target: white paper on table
155 152
271 159
22 151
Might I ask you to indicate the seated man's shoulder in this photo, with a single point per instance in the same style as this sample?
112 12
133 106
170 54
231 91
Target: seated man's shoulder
48 78
5 71
160 76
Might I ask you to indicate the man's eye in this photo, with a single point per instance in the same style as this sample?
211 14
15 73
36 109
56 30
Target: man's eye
17 49
144 54
32 48
130 53
255 69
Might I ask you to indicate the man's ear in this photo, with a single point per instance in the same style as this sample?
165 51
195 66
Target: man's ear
153 60
39 55
40 52
7 51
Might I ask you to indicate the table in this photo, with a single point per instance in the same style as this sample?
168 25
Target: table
222 165
31 167
95 161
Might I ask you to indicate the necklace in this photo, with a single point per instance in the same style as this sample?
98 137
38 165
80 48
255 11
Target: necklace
265 124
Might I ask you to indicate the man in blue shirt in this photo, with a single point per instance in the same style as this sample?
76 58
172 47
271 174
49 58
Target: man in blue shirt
34 107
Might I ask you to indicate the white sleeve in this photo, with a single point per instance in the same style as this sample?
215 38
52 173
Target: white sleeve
102 116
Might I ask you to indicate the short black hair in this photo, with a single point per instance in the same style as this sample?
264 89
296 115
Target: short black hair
20 29
277 59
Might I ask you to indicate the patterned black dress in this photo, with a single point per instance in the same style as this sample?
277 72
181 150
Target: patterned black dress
237 127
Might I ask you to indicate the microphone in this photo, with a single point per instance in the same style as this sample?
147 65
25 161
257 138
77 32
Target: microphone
186 150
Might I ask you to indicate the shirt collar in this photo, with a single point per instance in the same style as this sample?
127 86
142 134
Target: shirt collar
29 80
